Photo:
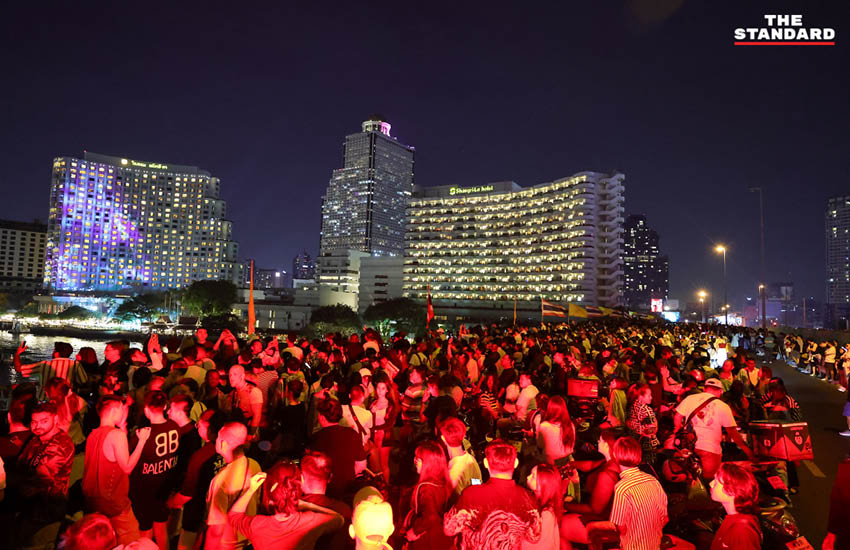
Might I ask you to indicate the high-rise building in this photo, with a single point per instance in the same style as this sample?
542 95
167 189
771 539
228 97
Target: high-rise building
339 277
363 208
838 250
645 268
303 266
22 255
117 223
267 279
483 247
381 279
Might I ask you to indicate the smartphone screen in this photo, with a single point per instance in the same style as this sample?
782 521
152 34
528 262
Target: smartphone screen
476 481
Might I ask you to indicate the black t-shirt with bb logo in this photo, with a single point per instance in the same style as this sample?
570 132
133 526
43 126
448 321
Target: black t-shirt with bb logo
152 476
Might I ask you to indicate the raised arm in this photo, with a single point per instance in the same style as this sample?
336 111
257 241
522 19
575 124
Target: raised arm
123 458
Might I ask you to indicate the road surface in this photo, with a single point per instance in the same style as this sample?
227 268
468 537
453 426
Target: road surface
822 405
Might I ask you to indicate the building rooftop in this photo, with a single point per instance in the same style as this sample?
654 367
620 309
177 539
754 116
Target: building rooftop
34 225
122 162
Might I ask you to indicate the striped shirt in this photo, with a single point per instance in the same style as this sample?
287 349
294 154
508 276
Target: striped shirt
61 367
639 510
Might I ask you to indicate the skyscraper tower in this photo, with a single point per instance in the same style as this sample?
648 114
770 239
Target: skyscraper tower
303 266
364 206
646 269
837 221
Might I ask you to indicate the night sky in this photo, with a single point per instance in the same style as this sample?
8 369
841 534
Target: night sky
262 95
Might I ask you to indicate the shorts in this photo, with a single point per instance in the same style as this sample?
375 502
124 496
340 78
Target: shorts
126 527
847 408
149 511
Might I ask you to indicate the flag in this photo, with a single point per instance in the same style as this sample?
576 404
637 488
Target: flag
430 314
578 311
593 311
552 310
514 311
252 319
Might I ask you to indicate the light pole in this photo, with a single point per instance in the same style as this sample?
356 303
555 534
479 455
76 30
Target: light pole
763 281
762 294
722 250
702 294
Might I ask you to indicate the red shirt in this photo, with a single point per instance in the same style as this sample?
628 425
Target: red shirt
738 531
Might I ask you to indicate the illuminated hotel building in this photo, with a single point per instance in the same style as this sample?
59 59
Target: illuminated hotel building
363 207
483 247
116 224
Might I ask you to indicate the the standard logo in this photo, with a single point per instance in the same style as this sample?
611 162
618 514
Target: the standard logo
784 30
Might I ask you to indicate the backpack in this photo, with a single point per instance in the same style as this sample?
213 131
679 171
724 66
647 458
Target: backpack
686 438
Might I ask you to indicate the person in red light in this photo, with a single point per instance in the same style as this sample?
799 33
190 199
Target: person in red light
91 532
293 524
246 400
499 514
736 489
108 463
639 509
597 507
44 465
153 476
556 435
545 481
424 525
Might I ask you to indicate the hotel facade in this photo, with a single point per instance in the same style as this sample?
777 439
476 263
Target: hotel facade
116 224
482 248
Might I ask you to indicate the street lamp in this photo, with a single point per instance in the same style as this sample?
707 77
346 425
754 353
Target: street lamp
762 295
702 294
720 249
761 226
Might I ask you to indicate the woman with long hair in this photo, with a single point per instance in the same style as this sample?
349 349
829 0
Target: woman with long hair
737 490
545 481
556 434
287 522
385 407
423 526
596 505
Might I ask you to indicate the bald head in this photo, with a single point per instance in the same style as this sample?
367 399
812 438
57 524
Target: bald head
236 375
230 438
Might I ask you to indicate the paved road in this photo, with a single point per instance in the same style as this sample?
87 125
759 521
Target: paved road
822 407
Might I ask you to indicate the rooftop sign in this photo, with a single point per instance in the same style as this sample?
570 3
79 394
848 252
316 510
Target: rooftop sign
468 190
138 164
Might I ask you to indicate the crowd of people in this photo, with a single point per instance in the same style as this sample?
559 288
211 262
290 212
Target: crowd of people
490 438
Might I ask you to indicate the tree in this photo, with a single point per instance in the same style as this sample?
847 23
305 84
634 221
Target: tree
335 315
402 313
338 318
142 307
209 298
225 321
29 310
77 312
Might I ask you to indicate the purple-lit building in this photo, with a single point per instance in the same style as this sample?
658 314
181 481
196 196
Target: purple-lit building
117 223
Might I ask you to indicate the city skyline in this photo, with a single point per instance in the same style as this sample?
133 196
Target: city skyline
662 96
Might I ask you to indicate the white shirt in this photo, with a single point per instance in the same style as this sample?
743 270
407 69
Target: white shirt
709 422
551 441
363 415
526 401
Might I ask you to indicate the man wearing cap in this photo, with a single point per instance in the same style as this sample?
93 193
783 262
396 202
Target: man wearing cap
708 424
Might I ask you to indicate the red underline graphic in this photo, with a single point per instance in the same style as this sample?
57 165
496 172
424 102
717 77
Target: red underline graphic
784 43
